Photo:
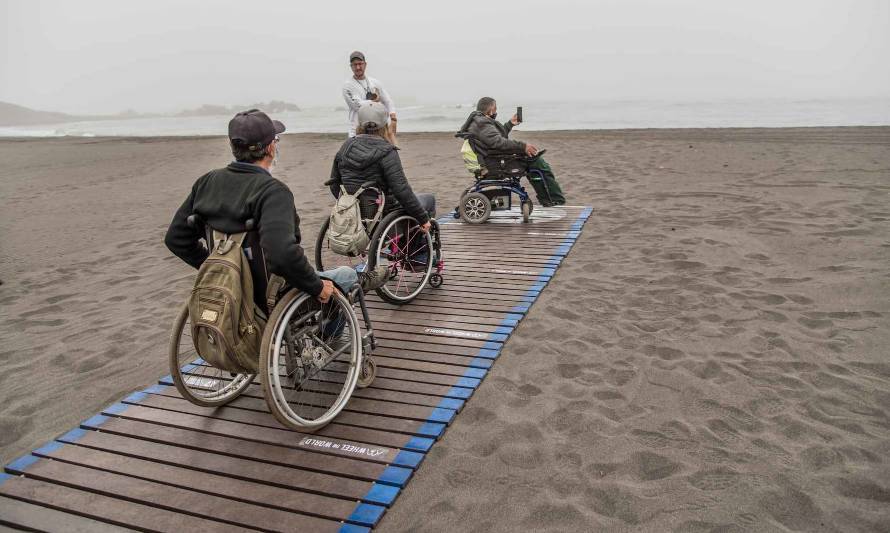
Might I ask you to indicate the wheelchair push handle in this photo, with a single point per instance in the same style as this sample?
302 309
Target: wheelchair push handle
197 221
194 220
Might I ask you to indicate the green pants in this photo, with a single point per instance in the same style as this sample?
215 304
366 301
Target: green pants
547 189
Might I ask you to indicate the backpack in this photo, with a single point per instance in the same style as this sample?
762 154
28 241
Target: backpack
226 325
346 233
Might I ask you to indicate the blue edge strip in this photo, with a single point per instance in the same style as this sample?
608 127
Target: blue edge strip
386 487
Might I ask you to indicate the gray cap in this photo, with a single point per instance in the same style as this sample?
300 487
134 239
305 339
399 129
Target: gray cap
356 55
372 112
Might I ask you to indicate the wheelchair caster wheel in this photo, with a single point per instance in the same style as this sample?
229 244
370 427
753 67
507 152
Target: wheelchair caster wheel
436 281
527 208
475 208
368 372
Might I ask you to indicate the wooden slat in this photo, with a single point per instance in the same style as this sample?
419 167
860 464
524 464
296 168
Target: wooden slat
162 406
267 435
112 509
271 454
172 498
402 418
25 515
281 488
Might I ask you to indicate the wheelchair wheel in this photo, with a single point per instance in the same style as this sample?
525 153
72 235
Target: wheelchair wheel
195 380
527 208
310 359
368 372
475 208
407 253
326 259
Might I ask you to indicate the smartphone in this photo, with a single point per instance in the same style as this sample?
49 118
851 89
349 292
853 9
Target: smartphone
519 113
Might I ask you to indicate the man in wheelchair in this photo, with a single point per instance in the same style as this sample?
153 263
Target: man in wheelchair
491 139
226 198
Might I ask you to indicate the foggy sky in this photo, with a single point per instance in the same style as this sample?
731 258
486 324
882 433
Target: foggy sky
91 56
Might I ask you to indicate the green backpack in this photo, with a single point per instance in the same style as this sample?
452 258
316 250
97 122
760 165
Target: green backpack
226 325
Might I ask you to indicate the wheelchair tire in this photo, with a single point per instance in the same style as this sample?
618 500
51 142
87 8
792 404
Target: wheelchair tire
195 380
368 372
326 259
407 252
475 208
526 208
310 359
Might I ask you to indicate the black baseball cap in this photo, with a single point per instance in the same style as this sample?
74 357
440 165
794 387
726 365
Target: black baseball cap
356 55
253 129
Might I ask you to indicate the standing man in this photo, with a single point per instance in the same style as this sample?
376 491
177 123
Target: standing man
360 88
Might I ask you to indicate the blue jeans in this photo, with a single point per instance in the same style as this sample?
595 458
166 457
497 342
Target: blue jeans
343 277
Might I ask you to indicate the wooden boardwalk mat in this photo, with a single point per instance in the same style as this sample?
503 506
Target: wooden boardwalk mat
155 462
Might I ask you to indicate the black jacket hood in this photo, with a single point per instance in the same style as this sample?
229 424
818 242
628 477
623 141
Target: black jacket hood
471 119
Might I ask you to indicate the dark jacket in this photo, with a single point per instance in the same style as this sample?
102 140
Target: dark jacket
491 136
366 158
225 199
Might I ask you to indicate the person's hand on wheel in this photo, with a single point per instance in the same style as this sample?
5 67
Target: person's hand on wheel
425 227
327 290
531 150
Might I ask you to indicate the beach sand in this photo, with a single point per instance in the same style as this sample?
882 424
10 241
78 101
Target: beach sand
711 356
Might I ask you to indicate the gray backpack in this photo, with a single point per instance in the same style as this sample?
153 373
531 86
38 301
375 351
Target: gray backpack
346 233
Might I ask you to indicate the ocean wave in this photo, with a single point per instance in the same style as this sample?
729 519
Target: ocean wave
19 132
432 118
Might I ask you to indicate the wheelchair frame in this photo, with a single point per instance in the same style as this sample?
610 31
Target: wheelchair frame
369 258
195 379
479 200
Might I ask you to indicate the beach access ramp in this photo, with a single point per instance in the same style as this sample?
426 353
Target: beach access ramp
155 462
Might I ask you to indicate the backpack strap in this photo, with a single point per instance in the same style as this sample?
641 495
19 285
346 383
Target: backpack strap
273 288
379 213
223 242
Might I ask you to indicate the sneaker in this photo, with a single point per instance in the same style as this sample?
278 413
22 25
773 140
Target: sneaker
342 340
374 279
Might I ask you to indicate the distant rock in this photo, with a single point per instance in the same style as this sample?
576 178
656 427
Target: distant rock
16 115
274 106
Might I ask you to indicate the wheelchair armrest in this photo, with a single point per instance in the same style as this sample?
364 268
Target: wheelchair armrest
465 135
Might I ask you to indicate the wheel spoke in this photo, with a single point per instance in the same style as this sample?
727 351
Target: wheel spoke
328 338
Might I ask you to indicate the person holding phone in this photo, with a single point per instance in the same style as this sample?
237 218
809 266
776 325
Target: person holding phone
361 88
494 138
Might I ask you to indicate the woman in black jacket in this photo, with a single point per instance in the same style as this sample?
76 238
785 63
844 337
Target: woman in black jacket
370 157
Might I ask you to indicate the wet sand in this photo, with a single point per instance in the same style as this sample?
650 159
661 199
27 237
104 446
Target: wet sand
711 356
